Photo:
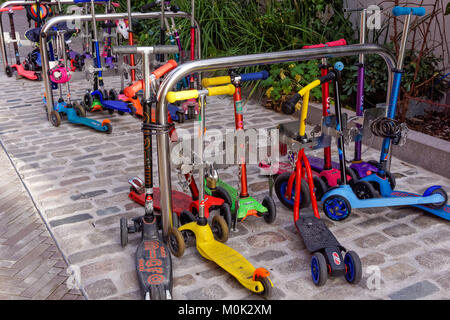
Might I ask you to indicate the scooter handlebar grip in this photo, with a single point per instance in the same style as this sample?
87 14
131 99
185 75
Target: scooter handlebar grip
131 90
402 11
215 81
312 85
290 104
148 6
124 49
171 64
337 43
15 8
221 90
166 49
174 96
320 45
254 76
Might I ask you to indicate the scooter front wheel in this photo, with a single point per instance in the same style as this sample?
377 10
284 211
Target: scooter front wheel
225 212
337 208
8 71
364 190
220 229
176 242
281 185
55 118
123 231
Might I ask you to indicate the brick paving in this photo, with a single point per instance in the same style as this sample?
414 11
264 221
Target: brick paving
31 265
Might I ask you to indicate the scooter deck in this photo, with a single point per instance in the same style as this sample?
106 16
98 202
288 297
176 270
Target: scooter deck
317 164
154 271
315 233
116 105
443 212
227 258
249 206
180 200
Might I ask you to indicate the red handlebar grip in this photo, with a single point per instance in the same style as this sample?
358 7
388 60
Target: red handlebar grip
131 90
16 8
171 64
320 45
340 42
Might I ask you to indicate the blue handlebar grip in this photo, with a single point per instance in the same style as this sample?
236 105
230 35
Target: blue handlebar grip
262 75
402 11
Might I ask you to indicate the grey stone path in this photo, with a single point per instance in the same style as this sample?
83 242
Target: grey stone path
78 179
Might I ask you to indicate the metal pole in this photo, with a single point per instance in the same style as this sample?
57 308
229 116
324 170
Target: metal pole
233 62
99 17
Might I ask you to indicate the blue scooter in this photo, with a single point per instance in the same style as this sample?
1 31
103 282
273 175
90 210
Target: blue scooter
338 202
99 99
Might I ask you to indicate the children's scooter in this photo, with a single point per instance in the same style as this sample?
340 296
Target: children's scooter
327 259
242 204
187 207
99 99
18 67
359 167
153 260
326 172
256 280
61 74
338 202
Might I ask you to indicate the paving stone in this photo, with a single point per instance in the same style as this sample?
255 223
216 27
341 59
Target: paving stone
210 292
371 240
268 255
372 222
265 239
87 195
415 291
71 219
185 280
401 249
436 236
426 221
101 289
373 259
399 271
399 230
107 211
434 259
94 253
69 208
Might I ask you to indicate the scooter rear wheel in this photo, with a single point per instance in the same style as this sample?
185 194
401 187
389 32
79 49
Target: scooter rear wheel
320 187
440 204
271 214
81 112
319 270
353 267
221 193
220 229
225 212
186 217
267 293
108 128
8 71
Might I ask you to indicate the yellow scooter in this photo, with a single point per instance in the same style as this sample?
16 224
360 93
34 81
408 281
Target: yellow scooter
254 279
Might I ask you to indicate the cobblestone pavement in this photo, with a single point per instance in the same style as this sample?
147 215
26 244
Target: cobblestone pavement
78 179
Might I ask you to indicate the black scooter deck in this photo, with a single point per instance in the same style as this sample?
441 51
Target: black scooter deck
154 268
315 233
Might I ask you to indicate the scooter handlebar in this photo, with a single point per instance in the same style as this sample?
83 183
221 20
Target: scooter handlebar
254 76
174 96
15 8
215 81
221 90
403 11
336 43
312 85
51 33
158 49
171 64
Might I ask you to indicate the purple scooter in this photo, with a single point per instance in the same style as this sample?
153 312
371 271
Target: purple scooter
361 168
